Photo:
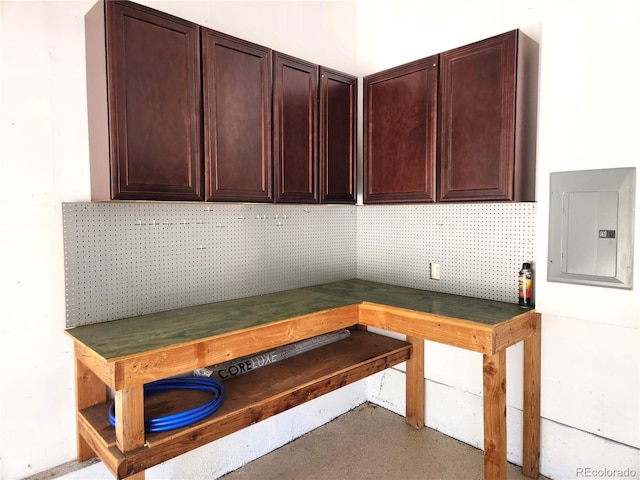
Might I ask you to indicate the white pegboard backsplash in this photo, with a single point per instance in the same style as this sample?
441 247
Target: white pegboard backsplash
130 258
480 247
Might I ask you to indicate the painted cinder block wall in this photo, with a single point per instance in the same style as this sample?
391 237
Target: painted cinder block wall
587 100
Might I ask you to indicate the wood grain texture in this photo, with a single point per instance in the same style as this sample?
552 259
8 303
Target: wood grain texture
154 101
531 403
415 380
477 310
97 364
495 415
237 119
477 120
399 139
90 391
107 452
252 397
176 359
295 118
450 331
514 330
121 338
129 412
487 120
126 353
337 130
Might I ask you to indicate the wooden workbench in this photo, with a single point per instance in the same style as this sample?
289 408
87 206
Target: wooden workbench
125 354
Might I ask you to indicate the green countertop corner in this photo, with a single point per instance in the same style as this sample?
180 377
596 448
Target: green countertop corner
133 335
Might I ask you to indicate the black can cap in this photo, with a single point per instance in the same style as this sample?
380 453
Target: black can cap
526 266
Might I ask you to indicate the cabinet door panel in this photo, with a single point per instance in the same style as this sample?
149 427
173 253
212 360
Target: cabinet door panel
237 119
153 66
295 97
337 131
400 133
477 120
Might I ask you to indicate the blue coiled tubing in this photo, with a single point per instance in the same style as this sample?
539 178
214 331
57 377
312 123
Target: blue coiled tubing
187 417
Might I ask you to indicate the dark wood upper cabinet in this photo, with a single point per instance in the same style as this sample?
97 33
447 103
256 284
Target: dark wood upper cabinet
337 136
237 119
400 106
295 147
487 120
152 95
466 117
182 112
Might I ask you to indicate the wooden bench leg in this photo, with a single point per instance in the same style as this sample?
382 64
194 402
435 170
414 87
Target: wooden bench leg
495 416
90 391
531 404
129 409
415 383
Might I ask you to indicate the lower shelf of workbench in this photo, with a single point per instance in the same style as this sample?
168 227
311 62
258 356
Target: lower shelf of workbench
249 398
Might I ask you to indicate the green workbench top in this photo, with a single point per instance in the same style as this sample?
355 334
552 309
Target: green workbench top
133 335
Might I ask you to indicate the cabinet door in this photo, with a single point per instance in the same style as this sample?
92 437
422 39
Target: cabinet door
477 120
154 102
237 119
400 127
337 136
295 107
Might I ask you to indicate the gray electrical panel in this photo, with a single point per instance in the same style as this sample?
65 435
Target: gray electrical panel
591 223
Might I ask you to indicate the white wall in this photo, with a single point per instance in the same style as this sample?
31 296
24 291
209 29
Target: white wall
588 117
589 120
44 160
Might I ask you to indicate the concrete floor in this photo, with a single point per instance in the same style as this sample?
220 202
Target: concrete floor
370 443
